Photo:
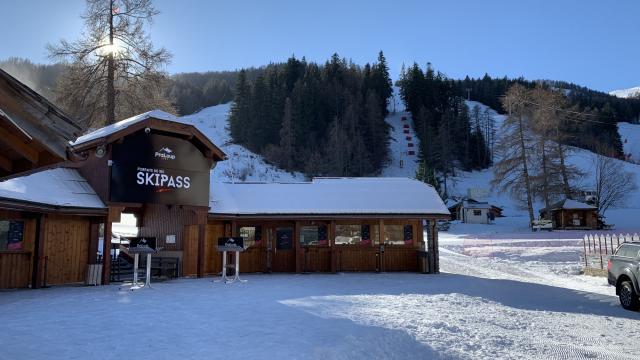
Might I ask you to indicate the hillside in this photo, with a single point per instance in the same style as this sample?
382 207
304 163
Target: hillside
624 219
244 165
626 93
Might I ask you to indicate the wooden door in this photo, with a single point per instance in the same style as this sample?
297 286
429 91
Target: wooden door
212 257
283 253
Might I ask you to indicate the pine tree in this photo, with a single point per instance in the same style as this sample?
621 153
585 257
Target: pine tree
287 141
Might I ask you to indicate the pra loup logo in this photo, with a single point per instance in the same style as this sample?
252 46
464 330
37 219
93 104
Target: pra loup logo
165 154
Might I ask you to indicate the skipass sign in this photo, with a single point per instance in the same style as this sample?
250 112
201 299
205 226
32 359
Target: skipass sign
159 169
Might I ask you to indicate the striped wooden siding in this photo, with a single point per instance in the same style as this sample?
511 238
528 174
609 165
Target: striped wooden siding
190 251
15 269
162 220
356 258
66 248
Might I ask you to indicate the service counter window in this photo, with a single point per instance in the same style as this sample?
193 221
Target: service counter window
313 235
398 234
252 235
356 234
11 235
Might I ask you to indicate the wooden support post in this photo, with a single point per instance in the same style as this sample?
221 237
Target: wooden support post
600 246
436 248
106 252
296 247
201 254
38 252
381 243
94 240
332 244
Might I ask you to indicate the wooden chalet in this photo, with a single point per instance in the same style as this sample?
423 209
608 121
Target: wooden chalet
157 168
570 214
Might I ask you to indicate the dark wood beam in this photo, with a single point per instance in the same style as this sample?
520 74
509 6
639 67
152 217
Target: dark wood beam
19 146
6 164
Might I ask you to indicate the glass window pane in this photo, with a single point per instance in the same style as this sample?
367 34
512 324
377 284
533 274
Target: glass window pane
308 235
398 234
364 234
249 235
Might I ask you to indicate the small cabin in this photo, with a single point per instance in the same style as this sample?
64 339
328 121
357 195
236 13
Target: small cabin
474 212
570 214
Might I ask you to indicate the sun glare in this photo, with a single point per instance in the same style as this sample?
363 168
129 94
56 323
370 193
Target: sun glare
116 48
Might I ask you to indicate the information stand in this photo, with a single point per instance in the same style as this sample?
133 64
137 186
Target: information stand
231 244
139 246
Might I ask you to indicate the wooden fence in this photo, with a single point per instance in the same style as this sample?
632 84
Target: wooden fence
598 247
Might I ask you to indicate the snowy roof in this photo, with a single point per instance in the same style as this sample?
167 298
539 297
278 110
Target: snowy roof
327 196
123 124
473 204
569 204
572 204
57 187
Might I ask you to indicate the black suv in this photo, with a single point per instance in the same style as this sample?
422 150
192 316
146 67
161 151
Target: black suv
624 273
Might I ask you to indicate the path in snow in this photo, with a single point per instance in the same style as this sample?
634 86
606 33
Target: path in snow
401 163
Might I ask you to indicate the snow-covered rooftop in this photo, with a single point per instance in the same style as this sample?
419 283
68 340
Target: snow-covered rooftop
57 187
327 196
573 205
123 124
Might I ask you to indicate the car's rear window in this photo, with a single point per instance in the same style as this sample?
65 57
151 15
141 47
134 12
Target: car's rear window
628 250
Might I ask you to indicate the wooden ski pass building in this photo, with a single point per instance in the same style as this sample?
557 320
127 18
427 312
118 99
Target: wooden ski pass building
57 209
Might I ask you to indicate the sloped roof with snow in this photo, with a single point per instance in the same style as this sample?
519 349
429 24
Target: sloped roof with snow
569 204
324 196
123 124
62 187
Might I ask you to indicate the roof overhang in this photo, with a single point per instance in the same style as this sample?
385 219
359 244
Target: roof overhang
22 205
187 131
327 216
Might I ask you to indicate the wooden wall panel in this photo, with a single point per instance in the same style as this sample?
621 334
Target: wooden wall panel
15 269
190 250
356 258
400 258
66 248
162 220
316 259
254 259
213 258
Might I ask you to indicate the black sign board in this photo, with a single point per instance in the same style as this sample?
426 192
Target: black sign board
159 169
284 238
230 244
258 234
365 232
15 235
142 245
408 234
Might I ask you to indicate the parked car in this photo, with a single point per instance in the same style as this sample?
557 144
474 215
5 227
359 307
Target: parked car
542 224
623 272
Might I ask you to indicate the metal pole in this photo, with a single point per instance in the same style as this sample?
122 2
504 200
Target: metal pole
135 269
584 244
147 281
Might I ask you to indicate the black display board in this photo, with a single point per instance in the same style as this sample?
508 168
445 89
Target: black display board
408 233
142 245
365 232
258 234
15 235
284 238
159 169
231 243
323 238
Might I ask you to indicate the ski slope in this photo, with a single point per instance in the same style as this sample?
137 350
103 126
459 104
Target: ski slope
630 137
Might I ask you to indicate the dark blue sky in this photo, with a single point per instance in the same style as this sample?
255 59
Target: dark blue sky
589 42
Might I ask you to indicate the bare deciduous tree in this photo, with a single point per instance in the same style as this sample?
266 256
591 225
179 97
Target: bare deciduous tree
612 183
512 172
115 71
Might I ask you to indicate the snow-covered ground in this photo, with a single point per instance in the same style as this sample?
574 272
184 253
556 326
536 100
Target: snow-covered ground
495 299
630 137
